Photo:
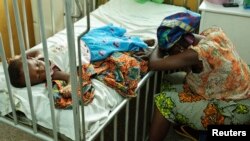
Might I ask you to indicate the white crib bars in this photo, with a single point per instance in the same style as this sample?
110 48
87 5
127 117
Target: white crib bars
25 64
77 113
47 64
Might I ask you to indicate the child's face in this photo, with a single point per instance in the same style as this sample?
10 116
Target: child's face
36 71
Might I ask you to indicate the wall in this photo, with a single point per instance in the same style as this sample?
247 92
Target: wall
192 4
58 17
58 9
4 29
33 20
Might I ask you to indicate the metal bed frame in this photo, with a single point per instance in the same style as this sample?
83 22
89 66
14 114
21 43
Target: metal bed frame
147 85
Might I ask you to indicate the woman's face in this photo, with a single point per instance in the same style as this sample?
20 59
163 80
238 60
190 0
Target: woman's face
176 49
36 71
184 43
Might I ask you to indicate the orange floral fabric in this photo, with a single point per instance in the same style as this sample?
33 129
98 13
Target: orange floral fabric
218 95
225 75
121 71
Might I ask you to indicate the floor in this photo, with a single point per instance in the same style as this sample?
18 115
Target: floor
8 133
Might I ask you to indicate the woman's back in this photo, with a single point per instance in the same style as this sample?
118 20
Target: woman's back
225 75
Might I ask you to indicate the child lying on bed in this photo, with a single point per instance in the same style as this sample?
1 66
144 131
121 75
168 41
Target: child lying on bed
59 64
36 67
35 60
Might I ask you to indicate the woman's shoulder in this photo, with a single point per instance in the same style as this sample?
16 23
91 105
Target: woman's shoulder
210 30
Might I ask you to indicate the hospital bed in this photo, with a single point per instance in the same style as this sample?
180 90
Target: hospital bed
31 109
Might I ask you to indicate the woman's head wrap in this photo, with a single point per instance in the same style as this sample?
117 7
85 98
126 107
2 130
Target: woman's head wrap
174 26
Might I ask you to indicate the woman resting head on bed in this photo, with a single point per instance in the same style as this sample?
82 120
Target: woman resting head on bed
215 89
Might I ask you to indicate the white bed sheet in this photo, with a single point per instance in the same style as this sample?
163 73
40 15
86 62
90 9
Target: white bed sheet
139 19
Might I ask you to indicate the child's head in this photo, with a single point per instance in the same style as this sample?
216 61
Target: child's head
36 71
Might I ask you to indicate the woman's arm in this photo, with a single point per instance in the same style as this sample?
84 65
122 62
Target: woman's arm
185 59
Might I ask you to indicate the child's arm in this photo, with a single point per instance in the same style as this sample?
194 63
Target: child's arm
61 75
33 53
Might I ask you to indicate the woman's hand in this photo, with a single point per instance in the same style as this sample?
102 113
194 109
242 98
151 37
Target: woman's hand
149 42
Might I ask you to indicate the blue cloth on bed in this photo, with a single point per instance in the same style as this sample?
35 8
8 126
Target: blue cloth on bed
105 40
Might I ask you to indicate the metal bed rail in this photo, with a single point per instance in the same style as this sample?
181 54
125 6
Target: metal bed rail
125 104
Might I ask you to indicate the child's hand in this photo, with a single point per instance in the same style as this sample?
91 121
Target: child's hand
66 91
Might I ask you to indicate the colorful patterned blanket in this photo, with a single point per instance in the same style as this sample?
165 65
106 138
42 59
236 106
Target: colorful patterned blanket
120 71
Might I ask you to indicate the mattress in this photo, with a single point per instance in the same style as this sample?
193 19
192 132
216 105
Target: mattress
138 19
